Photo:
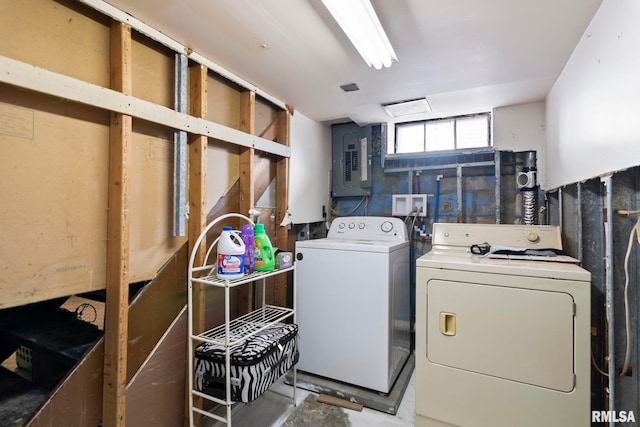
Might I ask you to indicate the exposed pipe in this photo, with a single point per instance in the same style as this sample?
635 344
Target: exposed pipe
440 167
436 209
608 234
459 188
498 174
579 220
527 184
560 209
529 201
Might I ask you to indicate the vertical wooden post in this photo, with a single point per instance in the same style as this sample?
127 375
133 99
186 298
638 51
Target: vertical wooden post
197 150
247 155
247 187
197 182
117 303
197 160
282 203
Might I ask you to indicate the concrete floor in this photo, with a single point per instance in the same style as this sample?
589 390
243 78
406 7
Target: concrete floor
274 409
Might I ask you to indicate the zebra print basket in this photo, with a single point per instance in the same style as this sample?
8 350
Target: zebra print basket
255 364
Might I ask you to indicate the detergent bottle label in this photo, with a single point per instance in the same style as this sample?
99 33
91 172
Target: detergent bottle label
257 255
263 256
230 264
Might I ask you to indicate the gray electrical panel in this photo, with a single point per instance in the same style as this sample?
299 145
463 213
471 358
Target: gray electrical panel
351 165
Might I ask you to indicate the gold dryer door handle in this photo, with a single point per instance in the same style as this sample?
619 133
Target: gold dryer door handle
447 323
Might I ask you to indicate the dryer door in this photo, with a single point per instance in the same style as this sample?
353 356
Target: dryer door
517 334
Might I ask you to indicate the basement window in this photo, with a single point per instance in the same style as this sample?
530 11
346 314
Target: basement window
447 134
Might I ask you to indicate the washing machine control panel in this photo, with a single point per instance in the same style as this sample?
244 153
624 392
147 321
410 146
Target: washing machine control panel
368 228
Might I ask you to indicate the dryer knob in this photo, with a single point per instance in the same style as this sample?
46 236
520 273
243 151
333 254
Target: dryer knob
533 237
361 225
341 225
352 225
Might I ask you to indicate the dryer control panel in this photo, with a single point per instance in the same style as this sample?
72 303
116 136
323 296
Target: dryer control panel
518 236
368 228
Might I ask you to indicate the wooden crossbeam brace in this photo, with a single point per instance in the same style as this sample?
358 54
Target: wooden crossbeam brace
271 132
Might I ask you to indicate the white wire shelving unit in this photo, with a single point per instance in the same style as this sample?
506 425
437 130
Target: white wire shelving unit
233 331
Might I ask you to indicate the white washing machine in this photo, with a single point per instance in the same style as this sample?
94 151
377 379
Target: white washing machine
501 341
352 302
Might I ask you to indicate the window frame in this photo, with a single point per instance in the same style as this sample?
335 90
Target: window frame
455 149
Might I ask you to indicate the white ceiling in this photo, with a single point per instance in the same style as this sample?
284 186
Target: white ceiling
464 56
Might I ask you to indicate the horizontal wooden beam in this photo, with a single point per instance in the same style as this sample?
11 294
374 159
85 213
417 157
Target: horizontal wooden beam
38 79
119 15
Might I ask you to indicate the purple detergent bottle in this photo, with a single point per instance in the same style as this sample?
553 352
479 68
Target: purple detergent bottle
246 234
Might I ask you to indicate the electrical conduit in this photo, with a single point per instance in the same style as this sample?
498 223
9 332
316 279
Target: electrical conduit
608 234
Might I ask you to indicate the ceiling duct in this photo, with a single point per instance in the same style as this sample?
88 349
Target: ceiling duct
406 108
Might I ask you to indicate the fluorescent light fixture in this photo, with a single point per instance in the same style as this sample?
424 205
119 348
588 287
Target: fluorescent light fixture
406 108
360 23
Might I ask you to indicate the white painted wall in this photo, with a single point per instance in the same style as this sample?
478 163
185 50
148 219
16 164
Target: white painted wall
522 128
593 110
308 169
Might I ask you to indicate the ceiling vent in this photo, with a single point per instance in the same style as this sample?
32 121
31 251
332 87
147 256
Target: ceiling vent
350 87
406 108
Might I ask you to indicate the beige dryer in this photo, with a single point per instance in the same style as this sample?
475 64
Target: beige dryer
501 342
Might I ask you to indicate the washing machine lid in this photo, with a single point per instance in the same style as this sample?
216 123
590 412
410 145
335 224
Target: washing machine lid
348 245
465 261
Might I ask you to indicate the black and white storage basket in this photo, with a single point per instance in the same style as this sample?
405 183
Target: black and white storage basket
256 363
